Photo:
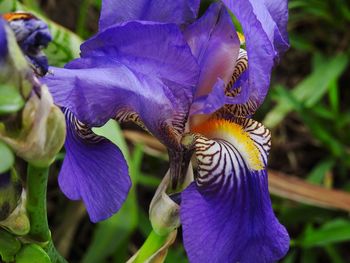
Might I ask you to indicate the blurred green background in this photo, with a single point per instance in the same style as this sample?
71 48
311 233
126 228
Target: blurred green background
307 109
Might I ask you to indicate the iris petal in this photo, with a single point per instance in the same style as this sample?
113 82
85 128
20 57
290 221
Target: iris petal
264 40
168 11
215 44
149 70
238 226
93 170
3 41
226 213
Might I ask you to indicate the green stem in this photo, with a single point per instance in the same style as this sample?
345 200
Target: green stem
36 203
37 212
152 244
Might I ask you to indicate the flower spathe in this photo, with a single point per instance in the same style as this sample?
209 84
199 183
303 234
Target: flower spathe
176 81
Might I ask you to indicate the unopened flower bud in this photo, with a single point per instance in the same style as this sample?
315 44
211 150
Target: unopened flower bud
18 222
164 212
42 133
13 215
10 193
165 207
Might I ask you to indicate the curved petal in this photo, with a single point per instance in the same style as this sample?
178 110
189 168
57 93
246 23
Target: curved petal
215 44
279 12
93 170
226 213
237 227
149 70
3 41
263 40
168 11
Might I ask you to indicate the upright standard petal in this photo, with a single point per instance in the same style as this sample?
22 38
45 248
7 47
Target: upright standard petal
93 170
264 41
148 70
168 11
279 13
215 44
226 213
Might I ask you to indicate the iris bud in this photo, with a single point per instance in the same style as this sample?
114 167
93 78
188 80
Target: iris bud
10 193
164 212
165 208
13 215
42 133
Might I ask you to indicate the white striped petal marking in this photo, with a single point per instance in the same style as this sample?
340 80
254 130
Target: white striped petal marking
226 150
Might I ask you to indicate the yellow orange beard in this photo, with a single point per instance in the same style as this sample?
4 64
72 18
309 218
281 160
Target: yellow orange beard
234 134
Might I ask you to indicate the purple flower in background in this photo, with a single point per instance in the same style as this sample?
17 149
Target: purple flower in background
190 83
32 35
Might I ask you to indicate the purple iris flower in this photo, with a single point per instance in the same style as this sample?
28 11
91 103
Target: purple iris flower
3 41
151 63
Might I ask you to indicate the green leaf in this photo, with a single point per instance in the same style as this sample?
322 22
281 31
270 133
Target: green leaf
112 131
6 156
317 174
332 232
7 6
9 246
10 100
310 90
32 253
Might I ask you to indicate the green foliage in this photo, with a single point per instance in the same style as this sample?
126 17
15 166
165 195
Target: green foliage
9 246
32 253
334 231
10 100
7 158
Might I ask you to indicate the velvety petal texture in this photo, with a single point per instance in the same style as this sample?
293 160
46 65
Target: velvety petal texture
226 213
147 69
238 226
263 24
167 11
215 44
3 41
93 170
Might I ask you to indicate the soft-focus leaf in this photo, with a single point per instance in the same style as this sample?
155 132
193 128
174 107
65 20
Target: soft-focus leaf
311 89
332 232
6 156
317 174
10 100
